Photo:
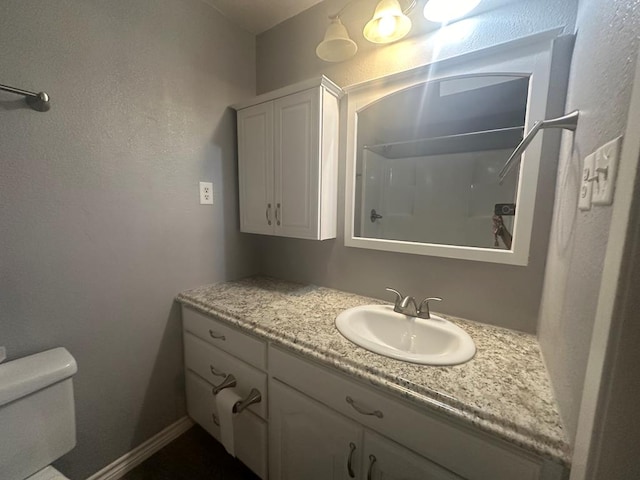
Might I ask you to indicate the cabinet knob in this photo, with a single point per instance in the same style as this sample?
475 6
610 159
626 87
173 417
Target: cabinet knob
278 214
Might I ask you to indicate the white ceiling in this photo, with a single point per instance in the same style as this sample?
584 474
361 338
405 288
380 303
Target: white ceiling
257 16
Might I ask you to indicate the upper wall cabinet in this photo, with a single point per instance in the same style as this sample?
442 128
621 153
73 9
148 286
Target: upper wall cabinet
288 161
424 148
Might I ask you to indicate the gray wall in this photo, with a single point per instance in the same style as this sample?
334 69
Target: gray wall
99 214
498 294
600 86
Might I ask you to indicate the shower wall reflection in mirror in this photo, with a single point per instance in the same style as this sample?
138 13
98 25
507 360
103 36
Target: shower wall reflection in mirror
427 159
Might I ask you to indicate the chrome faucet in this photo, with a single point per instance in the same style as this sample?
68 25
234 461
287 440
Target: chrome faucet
423 309
403 305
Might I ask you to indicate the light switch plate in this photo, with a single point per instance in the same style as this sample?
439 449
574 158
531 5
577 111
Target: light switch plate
206 193
586 187
606 168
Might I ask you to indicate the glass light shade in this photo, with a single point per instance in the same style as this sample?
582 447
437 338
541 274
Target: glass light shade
336 46
443 11
388 24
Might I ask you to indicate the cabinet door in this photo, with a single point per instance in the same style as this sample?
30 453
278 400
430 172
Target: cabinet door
309 441
386 460
297 164
255 168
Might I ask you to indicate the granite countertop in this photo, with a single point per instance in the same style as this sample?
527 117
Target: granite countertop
504 390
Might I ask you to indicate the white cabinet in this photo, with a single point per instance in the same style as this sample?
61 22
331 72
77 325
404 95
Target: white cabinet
432 445
255 168
308 440
386 460
288 161
207 366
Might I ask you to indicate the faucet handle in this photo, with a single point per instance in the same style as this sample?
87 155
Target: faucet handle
425 303
399 296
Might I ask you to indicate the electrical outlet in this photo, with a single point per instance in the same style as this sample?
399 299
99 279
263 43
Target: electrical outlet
586 187
606 170
206 193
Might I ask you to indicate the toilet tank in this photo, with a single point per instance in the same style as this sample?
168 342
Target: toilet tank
37 413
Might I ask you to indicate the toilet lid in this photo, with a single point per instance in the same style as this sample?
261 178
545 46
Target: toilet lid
47 473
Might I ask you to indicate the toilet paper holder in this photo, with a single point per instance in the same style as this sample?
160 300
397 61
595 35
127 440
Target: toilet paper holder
254 397
230 381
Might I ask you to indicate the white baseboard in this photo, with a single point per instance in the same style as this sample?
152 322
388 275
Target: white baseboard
135 457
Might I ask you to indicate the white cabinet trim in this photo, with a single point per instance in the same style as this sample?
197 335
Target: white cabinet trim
323 82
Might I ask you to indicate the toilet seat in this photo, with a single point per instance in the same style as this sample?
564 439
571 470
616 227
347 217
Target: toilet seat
47 473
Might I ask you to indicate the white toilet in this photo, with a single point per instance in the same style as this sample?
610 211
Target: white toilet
37 414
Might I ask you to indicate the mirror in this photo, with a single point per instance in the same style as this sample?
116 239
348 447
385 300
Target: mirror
424 148
430 175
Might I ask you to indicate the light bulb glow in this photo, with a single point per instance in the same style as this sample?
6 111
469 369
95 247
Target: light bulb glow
386 26
442 11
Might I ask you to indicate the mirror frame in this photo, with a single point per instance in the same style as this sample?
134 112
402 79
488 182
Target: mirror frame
531 57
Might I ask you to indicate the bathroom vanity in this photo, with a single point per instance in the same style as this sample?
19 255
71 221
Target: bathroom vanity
331 409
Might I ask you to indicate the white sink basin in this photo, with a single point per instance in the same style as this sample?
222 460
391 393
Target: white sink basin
433 341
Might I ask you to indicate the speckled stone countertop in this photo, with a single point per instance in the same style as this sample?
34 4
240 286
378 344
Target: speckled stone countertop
503 390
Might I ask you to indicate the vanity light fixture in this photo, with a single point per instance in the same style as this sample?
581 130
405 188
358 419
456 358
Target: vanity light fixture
443 11
388 24
336 46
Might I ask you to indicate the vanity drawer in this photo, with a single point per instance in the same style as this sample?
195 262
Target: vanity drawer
247 348
455 447
213 365
250 432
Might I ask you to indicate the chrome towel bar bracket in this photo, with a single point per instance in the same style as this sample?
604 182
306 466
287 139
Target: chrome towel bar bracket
254 397
567 122
228 382
37 101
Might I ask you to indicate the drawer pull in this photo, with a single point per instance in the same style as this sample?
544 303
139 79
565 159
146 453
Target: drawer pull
352 448
215 420
372 460
217 336
229 381
217 372
375 413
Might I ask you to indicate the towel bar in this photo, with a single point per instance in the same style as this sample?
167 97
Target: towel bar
568 122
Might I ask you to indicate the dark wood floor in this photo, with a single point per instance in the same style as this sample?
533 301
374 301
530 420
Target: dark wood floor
194 455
